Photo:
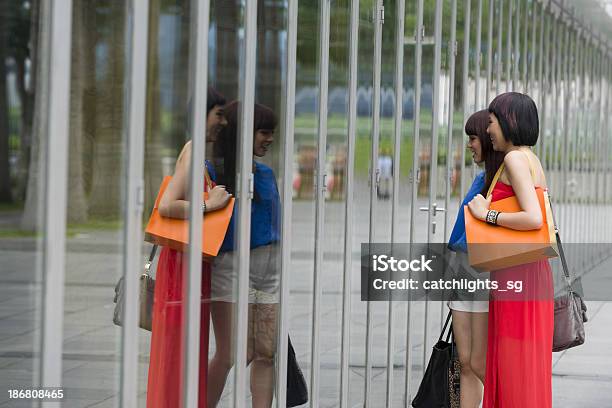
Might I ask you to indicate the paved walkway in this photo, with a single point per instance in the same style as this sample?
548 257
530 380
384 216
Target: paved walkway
582 376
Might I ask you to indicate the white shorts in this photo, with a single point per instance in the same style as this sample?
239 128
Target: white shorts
264 276
463 300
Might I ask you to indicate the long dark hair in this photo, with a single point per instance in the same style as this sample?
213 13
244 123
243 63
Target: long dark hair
477 125
226 146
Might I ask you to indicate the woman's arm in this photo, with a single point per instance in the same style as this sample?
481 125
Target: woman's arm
530 216
173 203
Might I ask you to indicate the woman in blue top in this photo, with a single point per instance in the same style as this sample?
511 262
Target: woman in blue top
469 314
264 276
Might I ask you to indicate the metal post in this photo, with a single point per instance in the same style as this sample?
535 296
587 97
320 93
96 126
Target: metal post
478 57
288 130
517 46
465 80
489 56
57 18
415 183
320 199
452 54
397 140
566 123
374 173
525 55
134 137
348 207
549 147
541 55
546 79
433 172
500 51
198 72
244 194
509 48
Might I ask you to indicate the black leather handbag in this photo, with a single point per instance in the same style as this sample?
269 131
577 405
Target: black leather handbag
440 385
297 391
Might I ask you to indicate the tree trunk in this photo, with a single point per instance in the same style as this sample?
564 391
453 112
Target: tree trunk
5 171
77 203
227 69
105 199
32 213
153 147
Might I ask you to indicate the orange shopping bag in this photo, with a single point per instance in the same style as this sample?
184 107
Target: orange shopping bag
174 232
493 247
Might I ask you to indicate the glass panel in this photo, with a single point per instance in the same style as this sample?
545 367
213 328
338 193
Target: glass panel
96 176
23 139
304 159
361 199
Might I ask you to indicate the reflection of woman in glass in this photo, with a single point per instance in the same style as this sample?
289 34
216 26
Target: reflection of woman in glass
470 310
519 355
166 362
264 278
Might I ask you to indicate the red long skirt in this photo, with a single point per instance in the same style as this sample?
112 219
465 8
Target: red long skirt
519 351
164 389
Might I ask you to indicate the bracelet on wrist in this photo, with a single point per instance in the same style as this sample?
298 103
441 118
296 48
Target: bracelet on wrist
491 217
203 207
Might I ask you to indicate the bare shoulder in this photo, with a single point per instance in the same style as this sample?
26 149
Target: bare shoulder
514 159
185 152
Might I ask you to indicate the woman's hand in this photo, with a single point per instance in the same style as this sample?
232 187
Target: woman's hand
479 206
218 198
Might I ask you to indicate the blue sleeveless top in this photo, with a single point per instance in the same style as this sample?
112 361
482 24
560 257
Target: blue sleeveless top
265 211
457 240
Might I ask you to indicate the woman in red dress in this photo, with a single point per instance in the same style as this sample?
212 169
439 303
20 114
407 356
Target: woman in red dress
164 389
519 354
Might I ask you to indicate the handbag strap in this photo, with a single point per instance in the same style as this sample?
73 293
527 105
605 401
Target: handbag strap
150 261
448 317
560 246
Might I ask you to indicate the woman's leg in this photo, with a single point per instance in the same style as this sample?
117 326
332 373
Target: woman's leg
471 387
222 314
478 355
262 366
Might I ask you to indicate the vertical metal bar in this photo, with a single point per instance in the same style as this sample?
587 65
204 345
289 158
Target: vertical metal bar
244 193
374 171
545 76
415 183
320 199
288 130
348 207
587 117
541 55
576 131
489 55
452 54
198 70
478 55
465 81
530 86
55 191
548 145
395 210
500 51
525 55
509 47
517 46
566 123
433 171
134 136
